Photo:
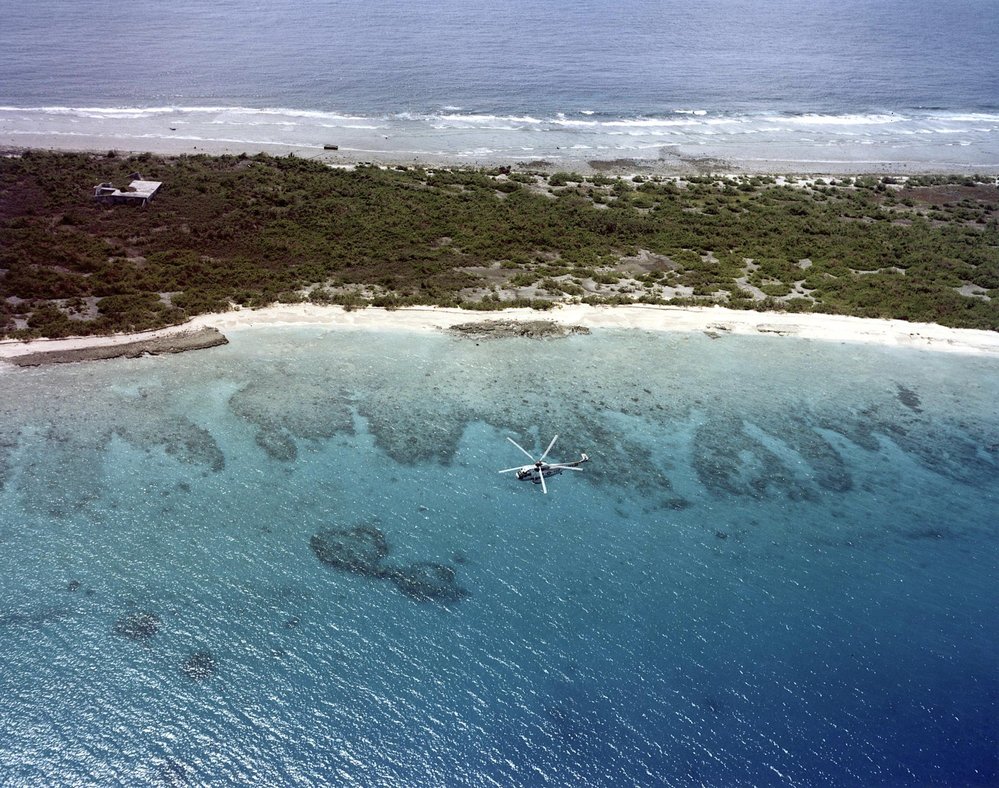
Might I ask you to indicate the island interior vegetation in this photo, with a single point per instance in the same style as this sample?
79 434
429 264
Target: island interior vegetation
256 230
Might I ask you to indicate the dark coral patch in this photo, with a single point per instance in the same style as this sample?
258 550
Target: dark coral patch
362 551
199 666
426 581
137 626
909 398
297 409
278 444
359 550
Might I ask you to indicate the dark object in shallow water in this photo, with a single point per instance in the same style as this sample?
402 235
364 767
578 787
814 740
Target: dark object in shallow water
199 666
909 398
359 550
425 581
137 626
331 147
73 585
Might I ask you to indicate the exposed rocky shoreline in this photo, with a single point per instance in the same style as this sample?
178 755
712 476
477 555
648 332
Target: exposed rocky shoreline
171 343
533 329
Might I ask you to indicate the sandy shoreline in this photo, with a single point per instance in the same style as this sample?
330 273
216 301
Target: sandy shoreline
714 321
674 164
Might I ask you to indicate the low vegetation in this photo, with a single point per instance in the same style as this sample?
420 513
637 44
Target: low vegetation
239 230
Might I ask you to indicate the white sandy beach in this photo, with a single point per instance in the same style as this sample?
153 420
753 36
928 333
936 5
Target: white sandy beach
716 321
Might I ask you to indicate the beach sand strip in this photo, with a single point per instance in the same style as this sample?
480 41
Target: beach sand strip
715 322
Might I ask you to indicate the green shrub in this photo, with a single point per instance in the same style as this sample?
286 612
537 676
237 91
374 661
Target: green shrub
255 229
563 178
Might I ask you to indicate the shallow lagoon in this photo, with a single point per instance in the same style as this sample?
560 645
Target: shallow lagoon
779 568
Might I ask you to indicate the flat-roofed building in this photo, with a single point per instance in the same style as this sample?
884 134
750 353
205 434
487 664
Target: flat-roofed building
139 191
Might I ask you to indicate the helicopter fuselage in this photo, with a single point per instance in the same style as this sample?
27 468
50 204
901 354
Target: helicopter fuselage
540 470
533 473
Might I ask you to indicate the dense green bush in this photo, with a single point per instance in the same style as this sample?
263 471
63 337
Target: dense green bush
249 230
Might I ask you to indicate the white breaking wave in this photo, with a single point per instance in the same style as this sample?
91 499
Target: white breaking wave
143 112
689 117
810 119
899 135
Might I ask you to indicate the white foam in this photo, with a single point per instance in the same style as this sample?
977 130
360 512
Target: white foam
811 119
461 133
140 112
487 119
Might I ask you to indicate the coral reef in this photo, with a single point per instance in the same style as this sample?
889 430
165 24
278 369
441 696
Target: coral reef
944 446
426 581
358 550
137 626
67 477
278 444
8 442
909 398
296 409
362 551
739 457
199 666
728 459
415 431
182 439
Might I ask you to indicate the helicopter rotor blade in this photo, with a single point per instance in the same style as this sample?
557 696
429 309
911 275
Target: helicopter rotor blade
507 470
549 448
544 489
520 447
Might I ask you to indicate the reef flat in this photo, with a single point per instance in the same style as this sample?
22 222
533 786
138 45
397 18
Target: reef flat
781 556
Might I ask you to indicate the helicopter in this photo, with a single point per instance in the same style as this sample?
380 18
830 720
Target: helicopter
540 470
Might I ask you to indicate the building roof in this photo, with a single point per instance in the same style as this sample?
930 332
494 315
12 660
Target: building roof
139 191
145 188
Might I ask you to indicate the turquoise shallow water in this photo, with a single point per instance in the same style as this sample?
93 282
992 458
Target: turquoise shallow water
780 567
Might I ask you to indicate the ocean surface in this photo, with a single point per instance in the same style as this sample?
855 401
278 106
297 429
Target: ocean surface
828 82
780 567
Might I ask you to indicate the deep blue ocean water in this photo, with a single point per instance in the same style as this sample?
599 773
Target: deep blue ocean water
825 82
780 567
